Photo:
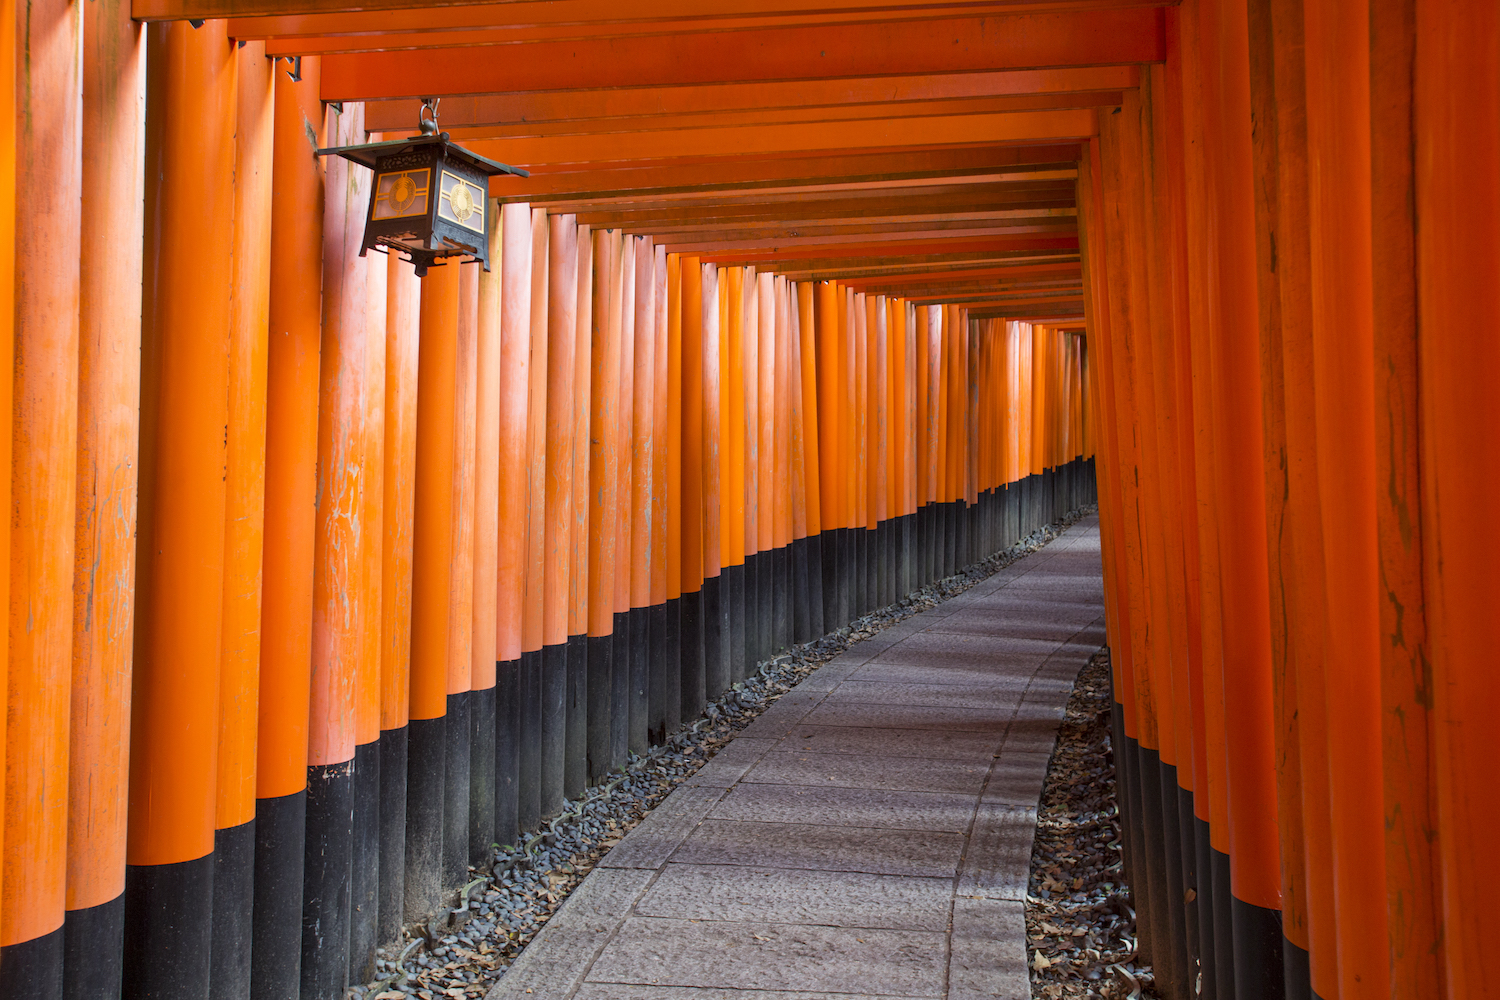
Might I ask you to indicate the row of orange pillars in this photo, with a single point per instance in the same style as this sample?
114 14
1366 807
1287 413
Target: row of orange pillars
1293 248
326 579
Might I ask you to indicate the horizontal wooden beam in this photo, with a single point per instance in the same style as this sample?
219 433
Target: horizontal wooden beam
680 219
544 107
888 134
1028 269
950 45
892 248
1052 218
777 243
552 183
815 200
851 268
270 19
871 113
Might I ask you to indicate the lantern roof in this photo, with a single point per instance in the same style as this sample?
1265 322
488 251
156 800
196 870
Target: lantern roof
367 153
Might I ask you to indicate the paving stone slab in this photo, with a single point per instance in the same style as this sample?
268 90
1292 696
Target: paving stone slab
834 711
730 764
890 742
920 853
1017 778
652 843
848 807
560 954
997 862
625 991
802 767
665 952
988 951
787 711
999 690
782 896
830 675
1009 668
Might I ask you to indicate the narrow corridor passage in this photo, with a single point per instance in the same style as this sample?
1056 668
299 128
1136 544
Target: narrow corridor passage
868 836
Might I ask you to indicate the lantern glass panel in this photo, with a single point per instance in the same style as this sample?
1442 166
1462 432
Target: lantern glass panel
462 202
401 194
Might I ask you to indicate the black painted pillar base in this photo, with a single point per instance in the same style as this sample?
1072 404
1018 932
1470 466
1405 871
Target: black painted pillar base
234 897
693 682
456 792
364 884
1203 847
829 541
640 680
276 945
670 652
1258 962
168 938
715 647
94 951
732 601
426 772
798 604
599 651
815 556
1297 970
751 613
326 875
507 751
765 606
554 709
657 683
781 599
1175 976
576 749
482 707
393 767
619 690
1224 931
529 743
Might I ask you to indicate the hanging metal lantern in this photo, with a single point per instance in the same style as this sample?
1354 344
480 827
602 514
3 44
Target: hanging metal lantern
430 196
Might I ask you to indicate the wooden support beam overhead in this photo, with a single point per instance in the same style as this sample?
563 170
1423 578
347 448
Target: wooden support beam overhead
880 285
873 113
871 210
845 269
951 45
837 199
893 248
888 134
554 183
1019 219
779 244
638 102
535 20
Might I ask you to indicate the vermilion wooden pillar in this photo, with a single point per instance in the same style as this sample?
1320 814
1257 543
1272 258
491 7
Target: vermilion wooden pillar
292 360
1457 148
402 315
180 569
512 787
239 688
562 291
114 82
603 502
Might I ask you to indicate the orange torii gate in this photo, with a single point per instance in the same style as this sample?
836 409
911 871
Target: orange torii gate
324 578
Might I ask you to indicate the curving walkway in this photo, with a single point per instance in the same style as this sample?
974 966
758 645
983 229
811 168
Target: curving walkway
868 836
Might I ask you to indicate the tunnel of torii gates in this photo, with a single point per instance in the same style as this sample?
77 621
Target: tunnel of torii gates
324 578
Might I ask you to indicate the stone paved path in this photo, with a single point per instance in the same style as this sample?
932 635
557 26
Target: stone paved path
868 836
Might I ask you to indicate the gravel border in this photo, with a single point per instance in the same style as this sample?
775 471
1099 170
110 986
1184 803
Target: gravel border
1080 920
462 952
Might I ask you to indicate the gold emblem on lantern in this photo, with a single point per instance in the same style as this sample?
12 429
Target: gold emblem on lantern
462 202
400 194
